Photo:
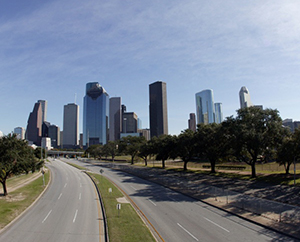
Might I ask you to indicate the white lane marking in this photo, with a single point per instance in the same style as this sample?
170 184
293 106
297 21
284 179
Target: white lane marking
134 188
152 202
217 225
187 232
65 185
75 216
47 216
59 196
79 196
80 185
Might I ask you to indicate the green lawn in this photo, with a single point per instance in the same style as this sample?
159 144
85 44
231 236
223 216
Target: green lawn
124 225
17 201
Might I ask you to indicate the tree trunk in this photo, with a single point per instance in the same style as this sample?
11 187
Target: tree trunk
146 162
132 158
253 171
287 168
213 166
185 165
4 188
163 164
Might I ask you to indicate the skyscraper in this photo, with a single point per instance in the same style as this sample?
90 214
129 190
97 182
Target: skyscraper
218 113
20 132
95 115
192 122
130 122
44 109
71 126
158 109
205 107
245 100
115 118
34 125
54 134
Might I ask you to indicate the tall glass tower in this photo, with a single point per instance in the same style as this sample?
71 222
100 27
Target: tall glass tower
218 113
205 107
245 100
95 115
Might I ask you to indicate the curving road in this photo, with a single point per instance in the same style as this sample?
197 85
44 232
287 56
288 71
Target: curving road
180 218
68 210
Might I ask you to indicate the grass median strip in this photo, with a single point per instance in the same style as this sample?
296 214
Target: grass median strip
123 224
17 201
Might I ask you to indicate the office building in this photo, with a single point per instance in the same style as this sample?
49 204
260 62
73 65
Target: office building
34 125
20 132
130 122
45 129
158 109
46 143
95 115
44 110
54 135
205 108
218 113
192 122
245 100
115 118
71 126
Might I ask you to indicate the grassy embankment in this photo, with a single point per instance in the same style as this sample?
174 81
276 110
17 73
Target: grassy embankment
123 225
269 172
17 201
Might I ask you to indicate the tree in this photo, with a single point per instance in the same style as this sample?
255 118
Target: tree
95 151
131 145
211 143
289 151
146 150
186 146
16 157
111 148
256 133
164 148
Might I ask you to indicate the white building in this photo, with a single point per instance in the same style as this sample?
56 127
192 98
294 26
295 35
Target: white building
20 132
245 100
46 143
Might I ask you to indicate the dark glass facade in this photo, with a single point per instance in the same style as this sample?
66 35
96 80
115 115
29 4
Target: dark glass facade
34 125
158 109
95 115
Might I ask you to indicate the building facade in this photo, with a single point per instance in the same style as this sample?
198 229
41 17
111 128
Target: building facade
218 113
115 118
34 125
44 104
20 132
71 126
245 100
54 135
192 122
130 122
205 108
158 111
95 115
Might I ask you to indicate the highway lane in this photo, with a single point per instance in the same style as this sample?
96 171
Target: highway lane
180 218
68 210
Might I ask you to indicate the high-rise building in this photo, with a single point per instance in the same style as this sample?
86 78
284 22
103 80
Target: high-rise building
71 126
245 100
20 132
44 109
115 118
130 122
192 122
45 129
205 107
95 115
34 125
54 134
218 113
158 109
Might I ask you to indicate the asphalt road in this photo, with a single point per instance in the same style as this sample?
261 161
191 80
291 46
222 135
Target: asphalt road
180 218
68 210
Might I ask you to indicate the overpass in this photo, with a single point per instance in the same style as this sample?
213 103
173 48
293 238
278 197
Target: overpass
64 153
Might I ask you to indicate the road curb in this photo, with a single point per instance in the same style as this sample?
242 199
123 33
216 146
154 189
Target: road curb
30 206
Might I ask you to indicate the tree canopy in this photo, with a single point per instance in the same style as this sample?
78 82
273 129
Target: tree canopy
16 157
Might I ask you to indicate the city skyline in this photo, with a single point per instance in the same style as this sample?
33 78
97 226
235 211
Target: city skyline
49 52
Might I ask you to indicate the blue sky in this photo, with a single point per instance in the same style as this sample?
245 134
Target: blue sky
50 49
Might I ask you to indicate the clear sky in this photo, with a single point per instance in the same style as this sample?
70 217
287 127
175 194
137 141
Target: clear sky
50 49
